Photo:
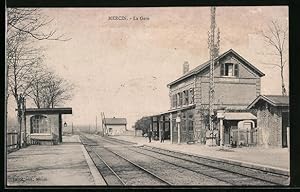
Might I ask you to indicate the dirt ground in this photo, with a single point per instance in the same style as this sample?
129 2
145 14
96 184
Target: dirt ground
48 165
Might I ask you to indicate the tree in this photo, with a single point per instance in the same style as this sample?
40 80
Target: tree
49 90
276 37
143 124
24 27
56 91
39 81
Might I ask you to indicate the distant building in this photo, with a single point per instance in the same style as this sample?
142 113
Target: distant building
44 125
115 126
237 83
272 119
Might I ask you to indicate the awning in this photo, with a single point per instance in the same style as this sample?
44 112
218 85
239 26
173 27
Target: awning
239 116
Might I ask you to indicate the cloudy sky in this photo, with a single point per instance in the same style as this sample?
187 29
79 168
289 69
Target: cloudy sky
122 67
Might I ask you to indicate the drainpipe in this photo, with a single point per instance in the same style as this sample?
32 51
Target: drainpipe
171 128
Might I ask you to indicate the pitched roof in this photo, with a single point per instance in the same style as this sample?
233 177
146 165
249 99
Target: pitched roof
275 100
115 121
203 66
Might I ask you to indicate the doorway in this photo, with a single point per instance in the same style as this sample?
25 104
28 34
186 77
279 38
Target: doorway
285 124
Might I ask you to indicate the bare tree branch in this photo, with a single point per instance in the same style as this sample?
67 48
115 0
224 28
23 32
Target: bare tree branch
276 38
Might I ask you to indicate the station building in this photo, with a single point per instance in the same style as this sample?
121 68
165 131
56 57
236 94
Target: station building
237 83
115 126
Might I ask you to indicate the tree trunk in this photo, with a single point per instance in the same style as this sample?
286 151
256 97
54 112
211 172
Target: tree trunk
281 74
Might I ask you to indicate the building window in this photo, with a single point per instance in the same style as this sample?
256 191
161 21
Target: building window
186 97
191 96
229 69
179 103
39 124
190 123
174 101
183 122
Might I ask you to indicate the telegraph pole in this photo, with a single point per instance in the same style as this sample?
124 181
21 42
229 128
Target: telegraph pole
213 45
96 125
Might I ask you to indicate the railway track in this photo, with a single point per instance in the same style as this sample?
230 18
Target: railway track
263 175
233 174
119 170
163 165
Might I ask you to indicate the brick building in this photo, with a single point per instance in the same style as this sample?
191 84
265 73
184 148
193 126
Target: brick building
272 119
237 84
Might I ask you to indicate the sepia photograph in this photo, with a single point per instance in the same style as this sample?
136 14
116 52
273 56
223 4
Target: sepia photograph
147 96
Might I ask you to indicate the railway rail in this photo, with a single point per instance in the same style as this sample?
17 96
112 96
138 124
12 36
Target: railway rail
119 170
165 164
233 174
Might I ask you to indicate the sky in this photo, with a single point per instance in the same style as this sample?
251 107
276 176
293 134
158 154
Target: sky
122 67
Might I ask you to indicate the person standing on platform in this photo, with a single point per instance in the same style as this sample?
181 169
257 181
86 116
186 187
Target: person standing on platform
149 135
162 138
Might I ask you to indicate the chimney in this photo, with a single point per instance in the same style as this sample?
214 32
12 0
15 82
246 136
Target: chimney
185 67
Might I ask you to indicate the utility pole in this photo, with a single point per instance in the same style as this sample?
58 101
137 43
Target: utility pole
213 46
103 123
96 124
21 115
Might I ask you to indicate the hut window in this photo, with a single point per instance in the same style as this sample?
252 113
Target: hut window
39 124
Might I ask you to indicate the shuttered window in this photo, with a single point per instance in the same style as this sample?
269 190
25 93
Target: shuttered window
229 69
222 69
236 70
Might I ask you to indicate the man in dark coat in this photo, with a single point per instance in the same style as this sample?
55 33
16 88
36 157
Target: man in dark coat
162 138
149 135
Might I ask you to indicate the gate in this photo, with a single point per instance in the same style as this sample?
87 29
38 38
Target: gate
246 137
12 140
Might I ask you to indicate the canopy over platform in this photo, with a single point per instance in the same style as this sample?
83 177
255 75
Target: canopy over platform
239 116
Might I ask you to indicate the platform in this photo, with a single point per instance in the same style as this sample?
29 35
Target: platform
64 164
